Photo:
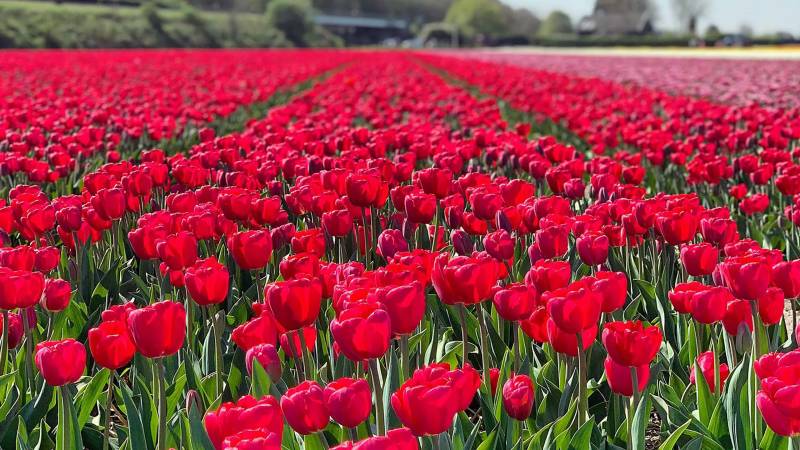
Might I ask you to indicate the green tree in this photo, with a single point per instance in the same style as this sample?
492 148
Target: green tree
474 17
558 22
292 17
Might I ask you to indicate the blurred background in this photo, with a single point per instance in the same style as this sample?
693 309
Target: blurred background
397 23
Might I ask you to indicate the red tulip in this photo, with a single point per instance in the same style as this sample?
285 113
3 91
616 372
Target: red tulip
18 258
434 181
463 279
420 207
251 249
677 227
20 289
613 287
47 259
391 241
748 277
549 275
337 223
515 302
56 296
258 439
267 357
304 408
111 345
143 241
553 241
262 329
246 414
705 362
311 240
535 326
159 329
405 305
592 248
518 397
15 329
737 313
397 439
292 343
681 295
630 343
770 306
779 388
178 250
499 245
786 275
620 380
60 362
574 308
426 402
109 203
348 400
566 342
699 259
207 282
708 306
363 331
295 303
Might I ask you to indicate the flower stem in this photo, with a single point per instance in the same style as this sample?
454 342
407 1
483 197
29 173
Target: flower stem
377 388
404 359
219 323
28 350
484 329
583 403
4 349
109 401
158 378
462 313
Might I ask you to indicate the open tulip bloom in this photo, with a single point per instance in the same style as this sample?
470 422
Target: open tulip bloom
252 249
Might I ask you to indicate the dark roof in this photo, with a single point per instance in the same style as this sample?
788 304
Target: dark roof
359 22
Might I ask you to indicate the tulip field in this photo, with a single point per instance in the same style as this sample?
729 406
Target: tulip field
329 249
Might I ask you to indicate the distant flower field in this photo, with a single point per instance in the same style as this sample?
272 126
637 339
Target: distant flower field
248 250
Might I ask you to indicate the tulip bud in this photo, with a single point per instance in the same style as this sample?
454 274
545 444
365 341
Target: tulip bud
193 400
462 243
518 397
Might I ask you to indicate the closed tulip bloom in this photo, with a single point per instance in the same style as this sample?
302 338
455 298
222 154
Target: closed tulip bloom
143 241
47 259
258 439
159 329
770 306
56 296
111 345
251 249
567 343
499 245
19 288
15 329
738 316
549 275
261 329
705 361
518 397
22 257
515 302
267 357
337 223
553 241
681 295
574 308
464 279
397 439
420 207
699 259
786 275
311 240
295 303
405 305
304 408
425 403
620 380
777 399
349 401
60 362
613 287
365 190
109 203
719 231
462 242
207 282
630 343
245 414
363 331
535 326
592 248
748 277
434 181
292 344
677 227
391 241
178 250
708 305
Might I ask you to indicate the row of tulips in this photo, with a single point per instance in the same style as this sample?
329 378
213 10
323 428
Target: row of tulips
366 266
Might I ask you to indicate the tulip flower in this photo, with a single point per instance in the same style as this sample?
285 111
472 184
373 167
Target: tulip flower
426 402
349 401
61 362
295 303
630 343
592 248
775 399
246 414
397 439
518 397
257 439
699 259
267 357
207 282
304 408
56 296
620 380
705 363
251 249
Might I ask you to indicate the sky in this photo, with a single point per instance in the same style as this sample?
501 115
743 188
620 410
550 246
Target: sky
764 16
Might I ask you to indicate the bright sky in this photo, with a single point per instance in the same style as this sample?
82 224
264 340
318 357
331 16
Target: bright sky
764 16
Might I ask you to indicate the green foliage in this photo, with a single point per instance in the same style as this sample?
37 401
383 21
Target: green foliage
48 25
292 17
558 22
477 17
